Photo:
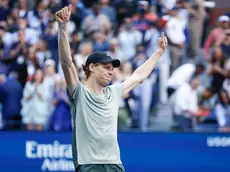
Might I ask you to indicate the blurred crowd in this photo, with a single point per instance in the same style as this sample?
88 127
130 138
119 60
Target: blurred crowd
192 77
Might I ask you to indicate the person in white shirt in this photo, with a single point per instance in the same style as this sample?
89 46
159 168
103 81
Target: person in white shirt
35 103
182 75
128 40
186 104
175 32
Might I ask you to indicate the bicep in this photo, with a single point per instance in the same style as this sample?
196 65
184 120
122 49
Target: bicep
209 41
71 77
131 83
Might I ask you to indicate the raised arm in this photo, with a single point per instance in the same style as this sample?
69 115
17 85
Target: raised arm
142 72
66 60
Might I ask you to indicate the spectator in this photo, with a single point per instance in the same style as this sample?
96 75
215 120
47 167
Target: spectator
217 68
226 83
38 17
124 111
207 100
75 42
19 47
126 114
54 6
114 50
99 42
32 62
216 35
166 5
4 10
7 39
149 15
222 111
11 100
12 20
49 81
151 39
51 38
125 9
31 35
85 49
42 52
77 13
96 22
142 92
225 44
186 104
139 22
108 10
176 37
22 6
183 75
196 23
128 39
35 111
61 118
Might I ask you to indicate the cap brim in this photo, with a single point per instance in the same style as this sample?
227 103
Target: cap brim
115 62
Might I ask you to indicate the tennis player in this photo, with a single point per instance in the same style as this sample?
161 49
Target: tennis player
94 105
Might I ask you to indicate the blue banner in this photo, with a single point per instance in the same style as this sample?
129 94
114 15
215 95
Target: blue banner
140 152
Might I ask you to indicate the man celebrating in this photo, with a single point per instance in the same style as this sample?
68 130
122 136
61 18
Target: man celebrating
94 105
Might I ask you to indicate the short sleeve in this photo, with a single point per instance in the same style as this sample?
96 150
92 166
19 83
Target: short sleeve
118 89
71 97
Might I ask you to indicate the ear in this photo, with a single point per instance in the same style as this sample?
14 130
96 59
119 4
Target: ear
91 67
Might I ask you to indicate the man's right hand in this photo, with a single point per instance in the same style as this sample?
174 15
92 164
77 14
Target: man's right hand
63 15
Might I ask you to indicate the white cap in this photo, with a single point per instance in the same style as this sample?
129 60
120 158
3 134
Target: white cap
50 62
144 3
209 4
223 19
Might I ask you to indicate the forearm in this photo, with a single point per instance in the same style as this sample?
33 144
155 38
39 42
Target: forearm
193 113
63 45
145 69
207 45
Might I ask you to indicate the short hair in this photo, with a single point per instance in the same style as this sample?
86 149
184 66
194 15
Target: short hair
200 65
86 69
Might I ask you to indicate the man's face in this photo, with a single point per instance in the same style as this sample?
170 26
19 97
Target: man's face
207 94
225 24
195 83
96 8
199 70
103 73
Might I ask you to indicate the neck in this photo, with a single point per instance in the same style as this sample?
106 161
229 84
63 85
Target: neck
93 86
